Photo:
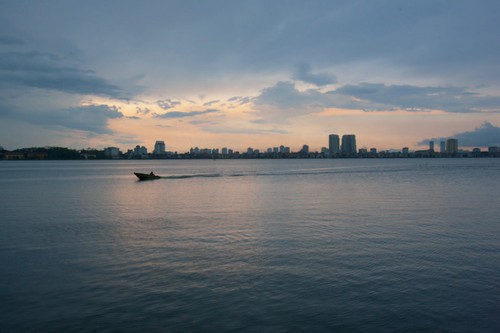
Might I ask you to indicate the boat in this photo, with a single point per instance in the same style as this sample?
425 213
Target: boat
146 176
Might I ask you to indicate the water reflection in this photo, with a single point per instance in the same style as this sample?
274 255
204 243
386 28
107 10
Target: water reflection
288 245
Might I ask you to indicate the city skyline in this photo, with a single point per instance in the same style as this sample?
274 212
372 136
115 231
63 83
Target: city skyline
247 74
334 145
347 149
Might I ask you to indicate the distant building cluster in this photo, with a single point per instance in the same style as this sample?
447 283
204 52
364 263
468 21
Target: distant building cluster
141 152
347 149
338 147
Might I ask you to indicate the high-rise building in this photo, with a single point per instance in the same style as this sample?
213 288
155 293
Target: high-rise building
140 151
442 147
159 148
305 149
348 144
334 143
431 145
112 152
452 146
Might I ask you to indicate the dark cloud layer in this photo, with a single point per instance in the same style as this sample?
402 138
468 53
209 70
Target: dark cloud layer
377 97
483 136
304 73
46 71
412 98
284 94
91 119
422 38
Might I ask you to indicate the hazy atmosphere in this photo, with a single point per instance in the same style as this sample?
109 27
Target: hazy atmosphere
248 73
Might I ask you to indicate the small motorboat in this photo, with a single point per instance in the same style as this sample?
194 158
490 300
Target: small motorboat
146 176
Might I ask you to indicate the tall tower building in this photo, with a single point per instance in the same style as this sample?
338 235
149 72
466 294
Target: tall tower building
159 148
442 147
349 144
431 145
334 143
452 146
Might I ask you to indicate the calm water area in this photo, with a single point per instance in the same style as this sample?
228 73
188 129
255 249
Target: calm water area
250 246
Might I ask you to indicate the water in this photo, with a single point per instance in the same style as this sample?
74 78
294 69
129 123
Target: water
250 246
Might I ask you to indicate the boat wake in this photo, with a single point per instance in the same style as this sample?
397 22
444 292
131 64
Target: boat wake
203 175
296 172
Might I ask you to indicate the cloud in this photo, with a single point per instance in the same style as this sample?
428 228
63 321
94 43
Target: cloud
374 97
284 100
422 38
167 104
181 114
284 94
428 45
142 111
240 100
46 71
211 102
303 73
483 136
93 118
413 98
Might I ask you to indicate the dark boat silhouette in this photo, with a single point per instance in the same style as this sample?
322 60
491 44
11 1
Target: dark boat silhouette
146 176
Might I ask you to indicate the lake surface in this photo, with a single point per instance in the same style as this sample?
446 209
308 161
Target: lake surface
250 246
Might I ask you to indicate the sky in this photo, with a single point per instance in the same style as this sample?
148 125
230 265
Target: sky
240 74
